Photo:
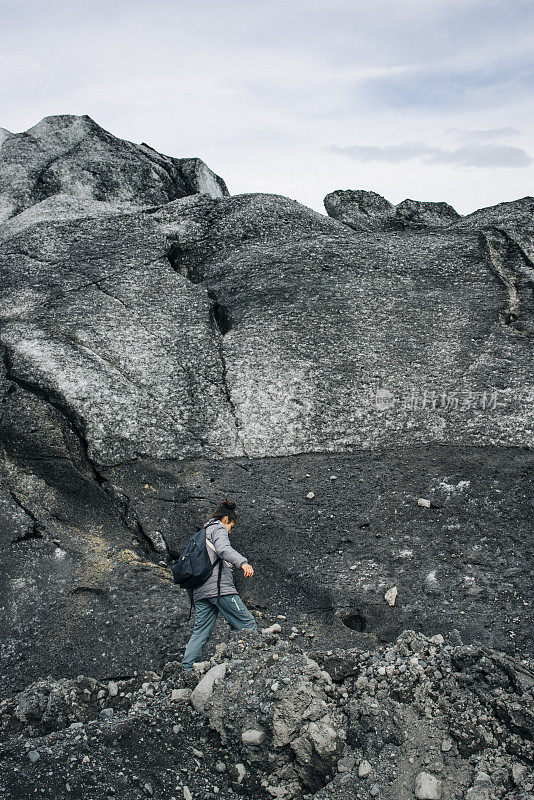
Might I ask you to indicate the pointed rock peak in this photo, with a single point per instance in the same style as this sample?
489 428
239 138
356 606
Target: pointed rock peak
62 123
71 155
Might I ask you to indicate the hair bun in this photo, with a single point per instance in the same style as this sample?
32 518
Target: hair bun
228 503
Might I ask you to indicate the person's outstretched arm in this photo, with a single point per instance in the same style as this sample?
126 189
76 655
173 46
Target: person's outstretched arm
223 548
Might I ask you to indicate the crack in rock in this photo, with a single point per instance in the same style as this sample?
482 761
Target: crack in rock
502 251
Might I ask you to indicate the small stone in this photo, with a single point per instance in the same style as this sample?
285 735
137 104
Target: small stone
187 794
478 793
106 713
423 502
518 773
113 689
364 769
180 694
197 753
176 728
310 495
431 582
275 686
437 639
374 790
253 736
220 766
391 595
345 764
446 745
34 755
276 628
427 786
241 772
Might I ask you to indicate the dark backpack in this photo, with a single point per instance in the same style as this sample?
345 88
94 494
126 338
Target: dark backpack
193 566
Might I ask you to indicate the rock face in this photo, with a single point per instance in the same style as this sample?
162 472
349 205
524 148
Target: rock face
165 344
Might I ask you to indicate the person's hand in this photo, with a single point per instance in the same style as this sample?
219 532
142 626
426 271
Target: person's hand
247 569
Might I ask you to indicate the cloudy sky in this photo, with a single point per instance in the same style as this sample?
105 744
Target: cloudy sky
426 99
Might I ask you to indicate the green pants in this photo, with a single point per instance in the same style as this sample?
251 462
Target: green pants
206 612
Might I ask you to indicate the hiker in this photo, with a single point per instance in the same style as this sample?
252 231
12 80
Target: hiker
204 597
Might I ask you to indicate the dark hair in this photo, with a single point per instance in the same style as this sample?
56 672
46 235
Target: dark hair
226 508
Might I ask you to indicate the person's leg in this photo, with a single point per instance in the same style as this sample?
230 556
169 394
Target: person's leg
236 612
205 618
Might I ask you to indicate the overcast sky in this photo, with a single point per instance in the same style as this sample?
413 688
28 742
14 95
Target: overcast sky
426 99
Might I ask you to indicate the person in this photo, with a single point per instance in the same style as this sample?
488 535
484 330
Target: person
229 603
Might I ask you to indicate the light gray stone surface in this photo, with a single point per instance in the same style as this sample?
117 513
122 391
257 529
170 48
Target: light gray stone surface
202 691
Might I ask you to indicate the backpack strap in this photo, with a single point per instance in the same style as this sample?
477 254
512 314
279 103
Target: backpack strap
219 578
218 559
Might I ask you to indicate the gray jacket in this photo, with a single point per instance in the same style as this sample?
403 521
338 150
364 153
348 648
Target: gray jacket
217 535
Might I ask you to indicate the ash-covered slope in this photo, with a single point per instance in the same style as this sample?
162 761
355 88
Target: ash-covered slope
164 343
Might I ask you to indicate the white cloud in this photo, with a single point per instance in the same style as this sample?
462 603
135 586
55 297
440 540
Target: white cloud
469 155
258 89
484 135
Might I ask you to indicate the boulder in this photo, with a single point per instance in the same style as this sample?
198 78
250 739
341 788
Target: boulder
361 210
416 213
202 691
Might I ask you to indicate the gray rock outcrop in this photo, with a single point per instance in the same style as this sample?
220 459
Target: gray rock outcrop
361 210
416 213
71 158
368 211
